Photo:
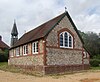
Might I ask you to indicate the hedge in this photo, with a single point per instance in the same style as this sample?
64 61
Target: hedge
4 55
95 62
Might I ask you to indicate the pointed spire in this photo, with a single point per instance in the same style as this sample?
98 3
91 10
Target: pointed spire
14 34
14 21
14 30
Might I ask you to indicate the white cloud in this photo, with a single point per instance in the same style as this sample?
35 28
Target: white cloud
31 13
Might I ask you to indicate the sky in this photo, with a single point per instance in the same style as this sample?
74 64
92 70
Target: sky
32 13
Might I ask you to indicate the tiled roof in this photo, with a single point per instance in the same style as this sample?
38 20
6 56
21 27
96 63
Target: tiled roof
3 45
42 30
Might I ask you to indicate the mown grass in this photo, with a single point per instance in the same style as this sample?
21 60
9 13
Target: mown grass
5 67
3 64
95 68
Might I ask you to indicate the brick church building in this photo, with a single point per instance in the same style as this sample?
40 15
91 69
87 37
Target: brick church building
53 47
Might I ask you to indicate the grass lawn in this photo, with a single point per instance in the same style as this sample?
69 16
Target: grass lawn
95 68
4 66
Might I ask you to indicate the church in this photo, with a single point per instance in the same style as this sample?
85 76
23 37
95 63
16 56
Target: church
53 47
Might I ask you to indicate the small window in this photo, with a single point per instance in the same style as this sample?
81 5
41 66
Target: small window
35 47
25 50
21 51
66 40
11 53
17 51
85 54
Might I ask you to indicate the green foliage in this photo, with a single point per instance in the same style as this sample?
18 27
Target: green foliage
3 64
91 43
5 67
4 55
96 56
94 62
95 68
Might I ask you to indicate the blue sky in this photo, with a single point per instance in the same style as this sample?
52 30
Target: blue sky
31 13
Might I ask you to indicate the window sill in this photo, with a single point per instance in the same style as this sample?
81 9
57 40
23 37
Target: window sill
35 53
66 47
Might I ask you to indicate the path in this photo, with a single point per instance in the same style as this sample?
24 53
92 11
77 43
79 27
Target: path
77 77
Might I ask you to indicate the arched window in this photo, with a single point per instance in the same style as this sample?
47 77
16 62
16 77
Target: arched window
61 39
66 40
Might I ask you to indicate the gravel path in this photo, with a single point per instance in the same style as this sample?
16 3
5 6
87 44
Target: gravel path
77 77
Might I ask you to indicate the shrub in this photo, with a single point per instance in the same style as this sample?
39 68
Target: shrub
95 62
4 55
96 57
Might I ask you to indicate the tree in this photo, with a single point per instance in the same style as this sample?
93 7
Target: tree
91 42
4 55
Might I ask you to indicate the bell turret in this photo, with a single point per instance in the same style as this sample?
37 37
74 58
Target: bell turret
14 34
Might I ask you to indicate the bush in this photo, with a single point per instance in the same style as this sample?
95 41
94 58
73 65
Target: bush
96 56
94 62
4 56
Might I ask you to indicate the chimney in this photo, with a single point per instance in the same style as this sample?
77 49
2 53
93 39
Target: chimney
0 38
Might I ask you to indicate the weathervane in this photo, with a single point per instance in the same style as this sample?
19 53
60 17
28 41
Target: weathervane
65 9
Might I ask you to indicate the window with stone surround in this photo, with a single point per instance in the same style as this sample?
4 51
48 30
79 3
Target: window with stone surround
25 49
35 47
66 40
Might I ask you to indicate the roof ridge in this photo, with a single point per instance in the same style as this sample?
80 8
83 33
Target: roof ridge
44 23
43 30
3 44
